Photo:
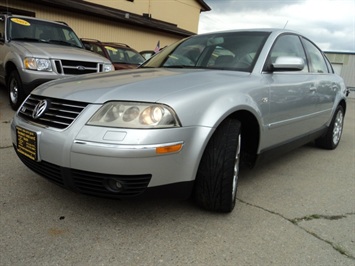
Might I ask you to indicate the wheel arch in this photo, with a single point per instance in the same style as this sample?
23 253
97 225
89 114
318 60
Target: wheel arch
213 186
250 129
343 104
10 66
250 135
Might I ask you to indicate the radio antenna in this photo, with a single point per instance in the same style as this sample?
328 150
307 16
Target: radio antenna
286 24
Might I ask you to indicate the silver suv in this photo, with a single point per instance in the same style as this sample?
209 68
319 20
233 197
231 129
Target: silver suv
34 51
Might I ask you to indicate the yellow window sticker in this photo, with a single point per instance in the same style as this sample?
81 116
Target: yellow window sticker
20 21
111 48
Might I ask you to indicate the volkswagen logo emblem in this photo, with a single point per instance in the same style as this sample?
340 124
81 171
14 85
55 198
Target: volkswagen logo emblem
39 109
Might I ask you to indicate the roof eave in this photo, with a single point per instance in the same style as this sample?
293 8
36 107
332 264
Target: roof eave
116 15
204 6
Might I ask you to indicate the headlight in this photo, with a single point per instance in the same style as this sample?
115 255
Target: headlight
39 64
107 68
134 115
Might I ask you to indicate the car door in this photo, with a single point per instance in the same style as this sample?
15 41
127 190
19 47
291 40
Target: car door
326 85
292 96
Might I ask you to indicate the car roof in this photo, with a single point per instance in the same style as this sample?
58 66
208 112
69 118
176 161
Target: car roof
274 32
34 18
270 30
113 44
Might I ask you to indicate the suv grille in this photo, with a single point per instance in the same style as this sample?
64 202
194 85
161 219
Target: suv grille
59 113
69 67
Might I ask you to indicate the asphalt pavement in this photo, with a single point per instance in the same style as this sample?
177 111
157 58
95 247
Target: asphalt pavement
297 210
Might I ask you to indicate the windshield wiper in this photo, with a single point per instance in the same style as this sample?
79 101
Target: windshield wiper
180 66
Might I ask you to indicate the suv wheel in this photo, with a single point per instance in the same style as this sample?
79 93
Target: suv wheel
16 93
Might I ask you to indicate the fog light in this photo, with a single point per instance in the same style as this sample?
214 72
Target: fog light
114 185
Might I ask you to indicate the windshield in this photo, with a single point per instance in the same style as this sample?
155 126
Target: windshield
230 51
33 30
123 56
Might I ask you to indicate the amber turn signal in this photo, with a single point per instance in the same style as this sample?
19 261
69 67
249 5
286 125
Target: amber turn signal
168 149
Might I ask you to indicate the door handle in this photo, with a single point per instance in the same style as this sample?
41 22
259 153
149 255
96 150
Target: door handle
313 89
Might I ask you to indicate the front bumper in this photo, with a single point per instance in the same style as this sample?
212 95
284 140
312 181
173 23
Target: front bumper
89 160
31 79
98 184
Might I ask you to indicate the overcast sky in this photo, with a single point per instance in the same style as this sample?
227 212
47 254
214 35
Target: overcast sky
329 23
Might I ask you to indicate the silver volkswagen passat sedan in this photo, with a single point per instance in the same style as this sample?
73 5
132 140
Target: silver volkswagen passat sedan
185 121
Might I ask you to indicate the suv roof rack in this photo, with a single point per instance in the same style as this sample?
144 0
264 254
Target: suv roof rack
100 42
119 43
62 22
89 40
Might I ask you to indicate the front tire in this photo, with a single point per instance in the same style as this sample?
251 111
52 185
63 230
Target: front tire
15 90
217 177
332 138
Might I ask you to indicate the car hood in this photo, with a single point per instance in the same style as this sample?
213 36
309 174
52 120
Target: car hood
54 51
149 85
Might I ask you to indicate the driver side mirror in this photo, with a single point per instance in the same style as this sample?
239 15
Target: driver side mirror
288 63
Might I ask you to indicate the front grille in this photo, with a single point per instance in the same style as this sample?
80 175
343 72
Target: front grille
88 182
69 67
97 183
59 113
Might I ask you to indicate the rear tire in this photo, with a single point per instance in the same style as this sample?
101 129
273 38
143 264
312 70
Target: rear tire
15 90
332 138
217 177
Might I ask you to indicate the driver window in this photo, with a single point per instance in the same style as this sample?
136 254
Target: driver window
288 45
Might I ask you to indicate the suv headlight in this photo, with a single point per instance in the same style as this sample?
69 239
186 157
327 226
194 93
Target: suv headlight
134 115
39 64
107 68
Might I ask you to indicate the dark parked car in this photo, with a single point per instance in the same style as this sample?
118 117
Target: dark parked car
121 55
184 122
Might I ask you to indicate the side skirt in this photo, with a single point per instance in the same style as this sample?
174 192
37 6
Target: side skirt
276 151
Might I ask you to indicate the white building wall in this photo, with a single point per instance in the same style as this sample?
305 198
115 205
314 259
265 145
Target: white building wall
344 65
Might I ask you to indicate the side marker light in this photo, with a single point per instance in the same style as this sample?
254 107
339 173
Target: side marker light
168 149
